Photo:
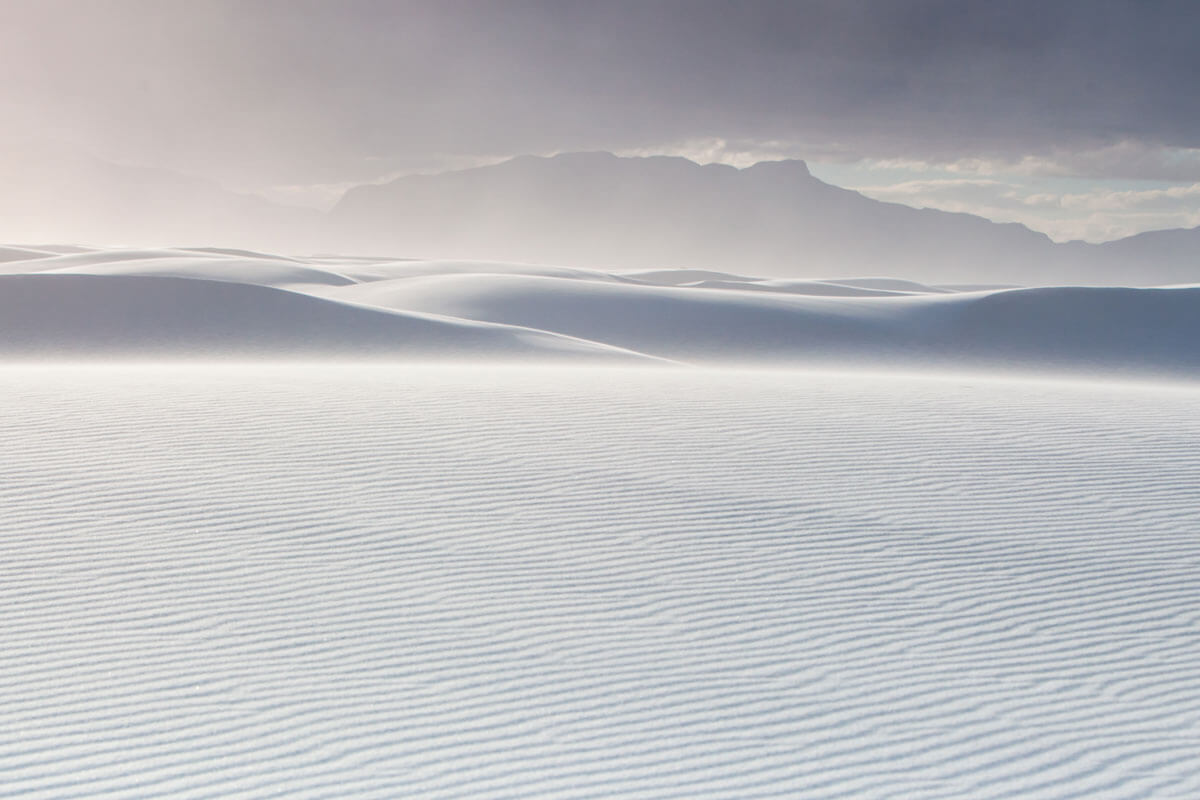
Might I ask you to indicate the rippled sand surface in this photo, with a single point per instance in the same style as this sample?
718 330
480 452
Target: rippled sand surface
401 581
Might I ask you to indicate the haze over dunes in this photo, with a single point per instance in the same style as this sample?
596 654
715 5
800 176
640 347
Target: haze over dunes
649 399
213 302
591 210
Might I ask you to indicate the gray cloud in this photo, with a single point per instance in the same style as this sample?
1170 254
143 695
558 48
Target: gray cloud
297 91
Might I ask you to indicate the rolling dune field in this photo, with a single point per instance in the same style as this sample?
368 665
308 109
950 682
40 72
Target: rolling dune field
58 302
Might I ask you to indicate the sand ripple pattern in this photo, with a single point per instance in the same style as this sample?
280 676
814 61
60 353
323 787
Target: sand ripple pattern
395 581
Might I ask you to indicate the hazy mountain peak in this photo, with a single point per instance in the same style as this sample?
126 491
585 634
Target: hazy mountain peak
598 209
603 159
795 167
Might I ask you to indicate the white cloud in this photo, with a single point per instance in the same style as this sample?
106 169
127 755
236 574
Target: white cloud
738 153
1127 160
1098 214
951 187
1170 199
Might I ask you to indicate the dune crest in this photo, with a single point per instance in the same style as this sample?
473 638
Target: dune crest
218 301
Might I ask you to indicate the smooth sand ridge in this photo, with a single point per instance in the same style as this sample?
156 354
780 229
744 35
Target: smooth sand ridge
694 316
320 581
255 271
60 315
1072 328
21 254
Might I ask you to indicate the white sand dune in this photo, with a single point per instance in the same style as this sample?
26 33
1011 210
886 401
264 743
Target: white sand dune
1070 328
202 264
386 579
21 254
256 271
338 304
72 315
395 581
675 322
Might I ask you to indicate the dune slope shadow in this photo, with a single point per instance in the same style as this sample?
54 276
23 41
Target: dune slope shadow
1068 328
694 324
80 315
1082 328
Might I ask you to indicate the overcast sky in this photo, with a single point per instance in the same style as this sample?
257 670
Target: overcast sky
1080 118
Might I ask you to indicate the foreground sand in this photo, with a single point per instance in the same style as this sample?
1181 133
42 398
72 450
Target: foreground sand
403 581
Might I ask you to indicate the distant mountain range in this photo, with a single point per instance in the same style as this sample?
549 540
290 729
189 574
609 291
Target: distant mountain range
585 209
774 218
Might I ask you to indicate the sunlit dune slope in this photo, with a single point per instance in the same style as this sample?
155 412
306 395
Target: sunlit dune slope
214 300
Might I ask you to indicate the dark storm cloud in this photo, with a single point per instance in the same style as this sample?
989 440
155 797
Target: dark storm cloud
277 90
